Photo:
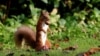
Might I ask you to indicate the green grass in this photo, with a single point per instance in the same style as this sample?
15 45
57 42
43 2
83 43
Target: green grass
84 44
85 36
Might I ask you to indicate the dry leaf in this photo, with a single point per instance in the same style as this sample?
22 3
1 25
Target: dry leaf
71 48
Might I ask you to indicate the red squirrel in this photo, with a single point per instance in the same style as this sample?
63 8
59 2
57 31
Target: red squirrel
37 40
42 43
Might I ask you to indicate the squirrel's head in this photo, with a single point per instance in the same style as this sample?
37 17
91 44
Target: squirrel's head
45 17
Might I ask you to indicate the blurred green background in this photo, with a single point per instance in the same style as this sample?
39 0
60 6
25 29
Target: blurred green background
70 19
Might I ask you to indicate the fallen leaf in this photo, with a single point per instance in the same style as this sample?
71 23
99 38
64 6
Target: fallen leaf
56 45
89 52
71 48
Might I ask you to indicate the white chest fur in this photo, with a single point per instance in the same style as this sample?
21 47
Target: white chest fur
43 34
45 27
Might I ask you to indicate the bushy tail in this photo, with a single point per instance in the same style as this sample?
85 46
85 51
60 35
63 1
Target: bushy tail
18 40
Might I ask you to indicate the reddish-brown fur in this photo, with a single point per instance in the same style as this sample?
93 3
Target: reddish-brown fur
44 18
32 39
